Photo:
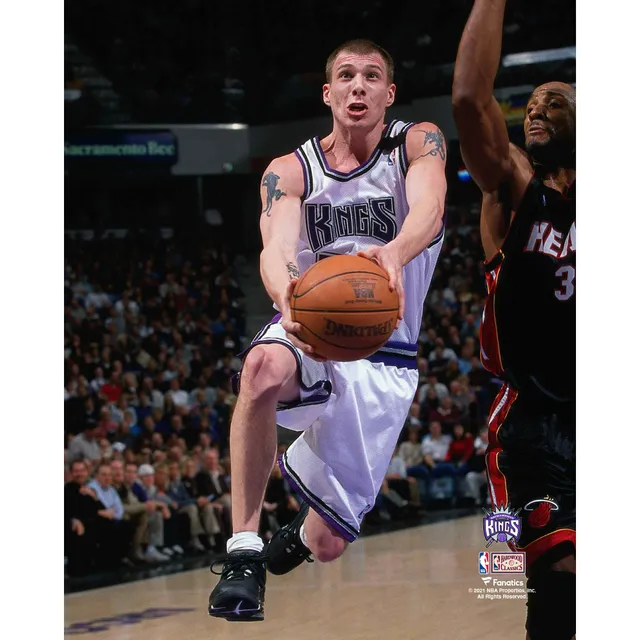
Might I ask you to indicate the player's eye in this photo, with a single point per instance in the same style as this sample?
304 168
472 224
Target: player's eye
345 74
554 104
373 75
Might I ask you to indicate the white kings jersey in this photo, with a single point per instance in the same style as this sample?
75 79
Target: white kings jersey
343 213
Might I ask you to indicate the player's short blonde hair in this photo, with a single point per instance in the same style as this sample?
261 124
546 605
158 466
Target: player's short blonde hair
360 47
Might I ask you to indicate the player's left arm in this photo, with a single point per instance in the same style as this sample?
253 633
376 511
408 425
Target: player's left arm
426 188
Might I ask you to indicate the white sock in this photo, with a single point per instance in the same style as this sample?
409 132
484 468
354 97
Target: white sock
246 541
303 536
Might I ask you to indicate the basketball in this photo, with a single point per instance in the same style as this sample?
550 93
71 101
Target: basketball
344 307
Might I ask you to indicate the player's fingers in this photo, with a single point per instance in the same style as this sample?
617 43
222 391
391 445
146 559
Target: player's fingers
307 349
370 254
290 287
291 327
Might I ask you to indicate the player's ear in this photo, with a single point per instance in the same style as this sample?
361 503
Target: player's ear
391 96
326 94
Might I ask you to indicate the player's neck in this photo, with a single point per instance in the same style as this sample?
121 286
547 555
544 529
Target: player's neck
345 144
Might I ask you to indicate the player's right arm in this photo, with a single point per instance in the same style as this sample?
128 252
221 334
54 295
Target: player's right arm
281 190
482 130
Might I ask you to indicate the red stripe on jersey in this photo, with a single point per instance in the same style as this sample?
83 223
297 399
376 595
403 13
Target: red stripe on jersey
540 546
489 343
499 410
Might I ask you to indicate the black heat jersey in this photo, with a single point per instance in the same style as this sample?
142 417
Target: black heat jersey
528 331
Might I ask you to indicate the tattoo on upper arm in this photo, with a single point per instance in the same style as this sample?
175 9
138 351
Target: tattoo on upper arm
434 141
271 182
294 272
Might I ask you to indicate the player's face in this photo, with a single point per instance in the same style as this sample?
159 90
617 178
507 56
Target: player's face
550 120
359 92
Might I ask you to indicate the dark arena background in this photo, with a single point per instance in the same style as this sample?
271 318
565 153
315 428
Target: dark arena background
173 110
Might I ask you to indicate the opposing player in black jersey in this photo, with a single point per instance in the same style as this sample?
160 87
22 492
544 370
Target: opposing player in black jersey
528 332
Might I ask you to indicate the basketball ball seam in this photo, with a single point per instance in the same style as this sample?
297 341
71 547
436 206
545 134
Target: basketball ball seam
336 275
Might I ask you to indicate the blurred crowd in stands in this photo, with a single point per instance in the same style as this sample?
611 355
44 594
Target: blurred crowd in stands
152 333
198 61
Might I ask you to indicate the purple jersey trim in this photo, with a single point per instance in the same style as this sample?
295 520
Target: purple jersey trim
328 515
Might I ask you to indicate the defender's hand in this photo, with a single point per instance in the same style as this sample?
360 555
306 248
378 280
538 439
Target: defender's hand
293 328
388 258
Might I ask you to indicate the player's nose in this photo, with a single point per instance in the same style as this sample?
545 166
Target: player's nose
358 86
538 113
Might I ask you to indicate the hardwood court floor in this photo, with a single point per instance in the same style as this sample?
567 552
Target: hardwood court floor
410 584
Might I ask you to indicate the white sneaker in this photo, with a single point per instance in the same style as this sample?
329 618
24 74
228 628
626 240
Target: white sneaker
167 551
153 555
178 549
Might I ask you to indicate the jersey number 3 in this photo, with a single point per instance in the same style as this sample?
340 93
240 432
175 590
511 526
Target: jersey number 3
567 284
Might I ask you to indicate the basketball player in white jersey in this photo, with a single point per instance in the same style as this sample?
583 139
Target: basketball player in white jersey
371 188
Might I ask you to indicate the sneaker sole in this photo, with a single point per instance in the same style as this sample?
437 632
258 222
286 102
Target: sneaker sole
231 616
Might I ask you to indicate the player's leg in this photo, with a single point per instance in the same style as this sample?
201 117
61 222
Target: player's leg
551 605
268 377
339 464
531 466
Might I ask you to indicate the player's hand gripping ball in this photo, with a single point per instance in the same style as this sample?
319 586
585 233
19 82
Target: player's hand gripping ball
344 307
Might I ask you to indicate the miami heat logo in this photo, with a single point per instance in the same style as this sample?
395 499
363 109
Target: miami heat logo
540 511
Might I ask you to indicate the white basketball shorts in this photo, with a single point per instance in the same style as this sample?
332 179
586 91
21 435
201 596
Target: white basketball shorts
351 414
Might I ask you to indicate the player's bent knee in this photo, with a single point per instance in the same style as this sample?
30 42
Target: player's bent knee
551 606
325 544
266 370
329 548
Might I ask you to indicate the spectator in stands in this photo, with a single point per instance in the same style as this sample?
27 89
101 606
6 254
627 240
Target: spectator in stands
157 512
398 480
279 507
81 513
113 533
433 383
85 446
112 390
460 451
446 414
134 511
177 527
414 415
459 399
466 355
210 481
476 478
435 448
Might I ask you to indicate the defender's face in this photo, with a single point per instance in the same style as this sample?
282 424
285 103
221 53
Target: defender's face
359 92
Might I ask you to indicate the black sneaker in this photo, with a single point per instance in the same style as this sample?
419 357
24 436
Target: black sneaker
286 551
239 596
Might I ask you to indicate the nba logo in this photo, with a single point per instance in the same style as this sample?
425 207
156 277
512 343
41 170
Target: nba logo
483 562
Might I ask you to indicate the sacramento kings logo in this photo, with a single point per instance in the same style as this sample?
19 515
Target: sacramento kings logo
501 525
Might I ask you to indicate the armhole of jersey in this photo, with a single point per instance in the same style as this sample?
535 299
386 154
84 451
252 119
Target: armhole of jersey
306 171
404 160
499 255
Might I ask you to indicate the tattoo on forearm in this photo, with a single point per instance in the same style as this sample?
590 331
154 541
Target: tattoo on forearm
271 182
293 271
434 140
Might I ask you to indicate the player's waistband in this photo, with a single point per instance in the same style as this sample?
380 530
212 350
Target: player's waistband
403 355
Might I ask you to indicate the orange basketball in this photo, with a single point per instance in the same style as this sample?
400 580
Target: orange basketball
345 308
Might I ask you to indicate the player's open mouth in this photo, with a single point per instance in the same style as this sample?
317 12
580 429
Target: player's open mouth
357 108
